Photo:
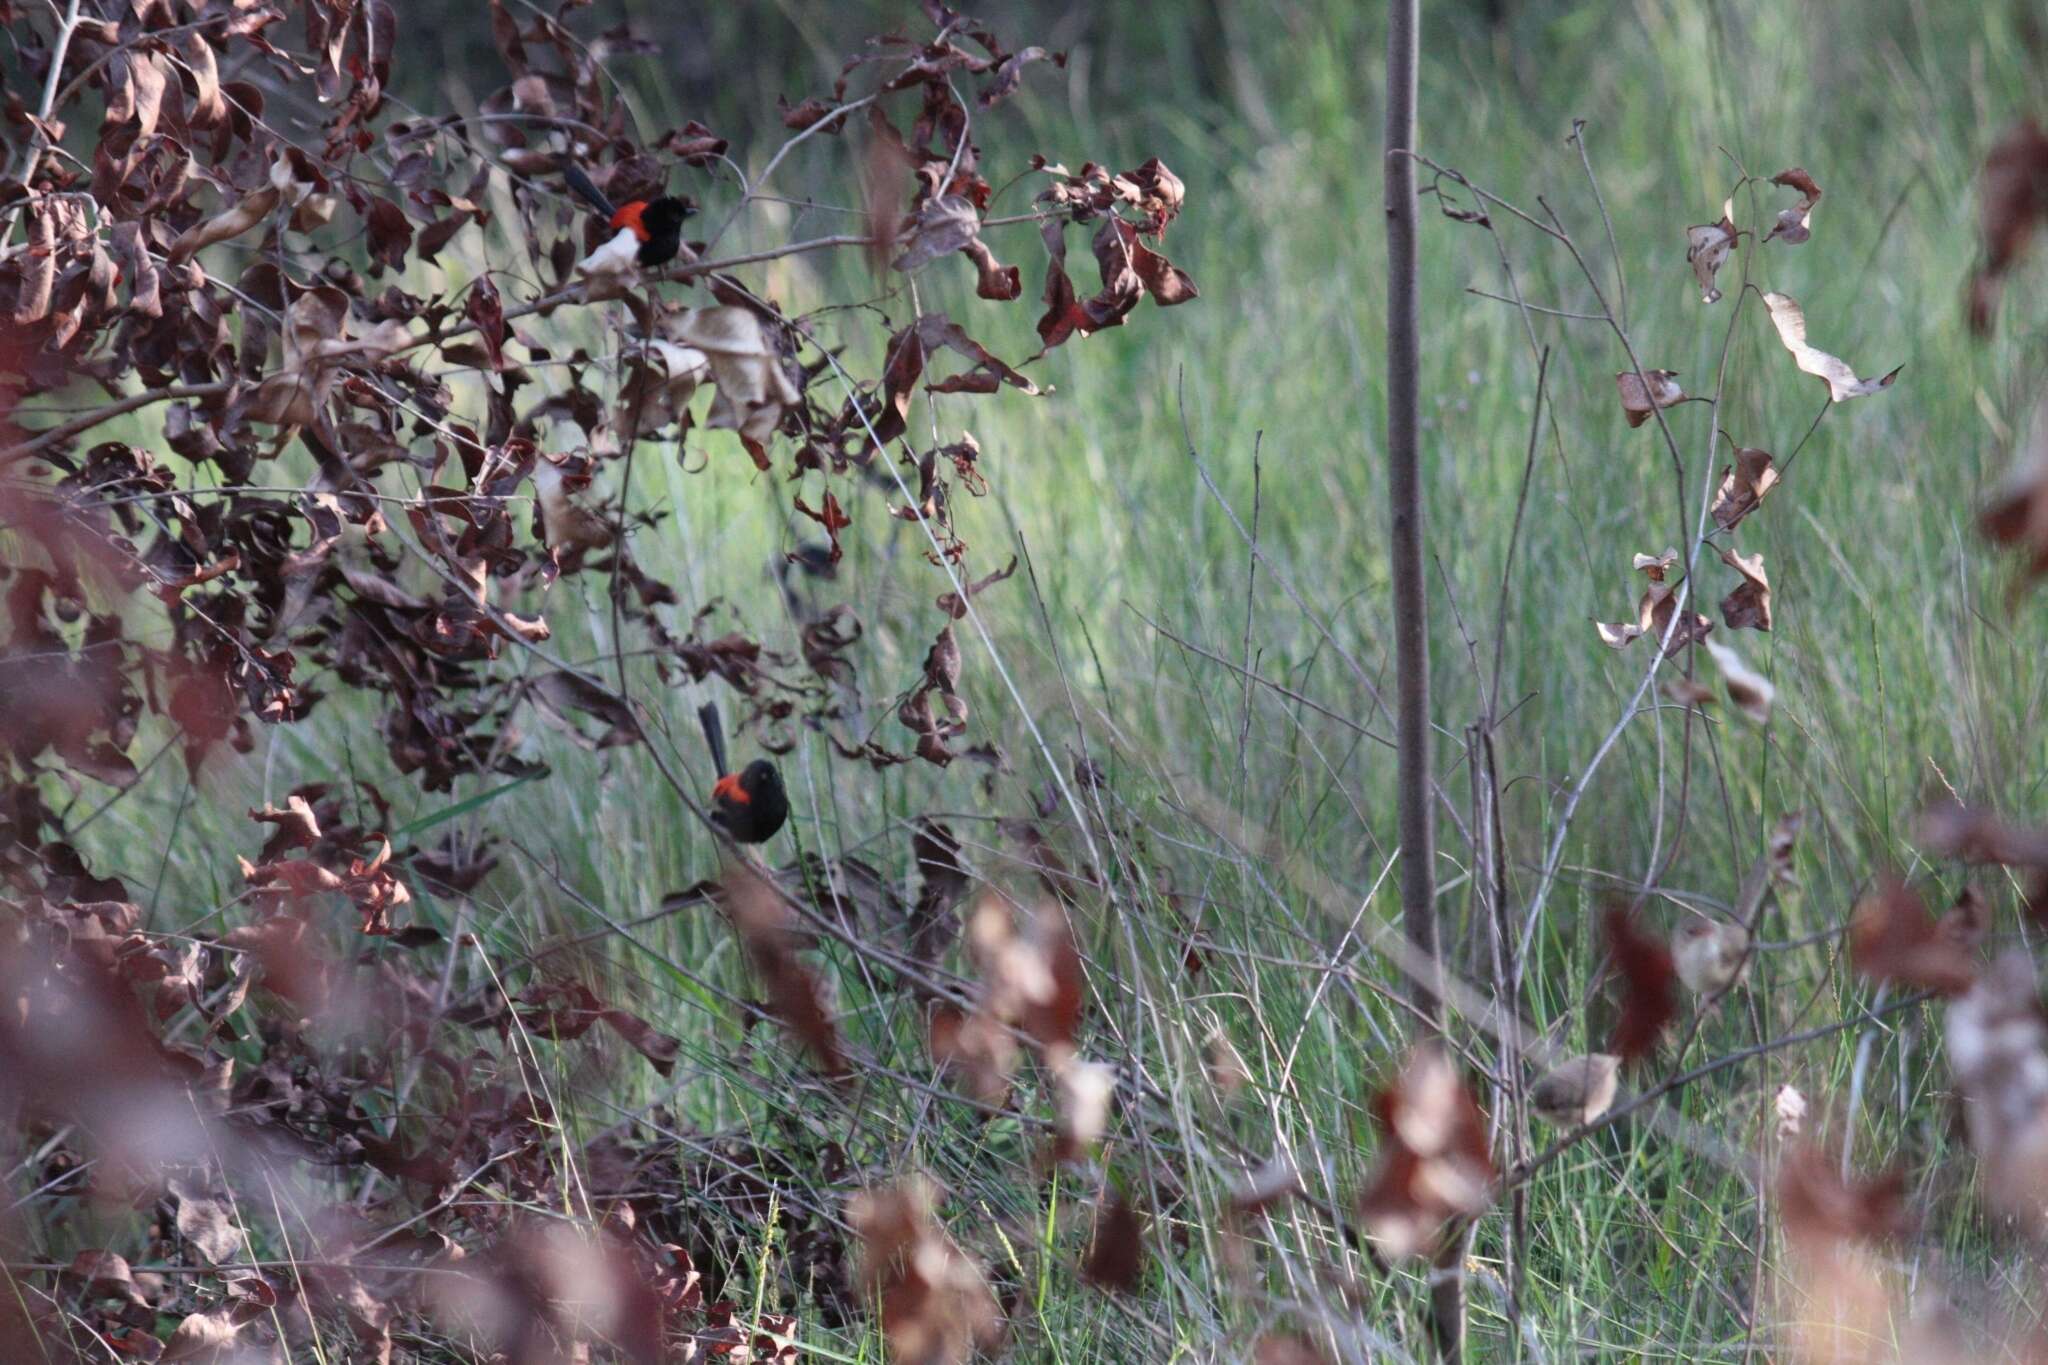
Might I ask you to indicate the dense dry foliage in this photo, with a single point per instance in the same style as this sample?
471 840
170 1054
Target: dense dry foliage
337 513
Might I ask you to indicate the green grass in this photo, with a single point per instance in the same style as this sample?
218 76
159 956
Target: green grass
1902 664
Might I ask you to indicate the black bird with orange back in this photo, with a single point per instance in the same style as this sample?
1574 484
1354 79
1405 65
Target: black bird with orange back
651 228
749 805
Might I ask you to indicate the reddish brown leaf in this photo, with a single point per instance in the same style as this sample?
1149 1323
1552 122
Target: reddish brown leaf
1819 1207
1794 224
2012 195
1638 401
1116 1253
487 311
1892 938
954 604
831 516
1949 829
1749 606
1649 986
1434 1162
1744 485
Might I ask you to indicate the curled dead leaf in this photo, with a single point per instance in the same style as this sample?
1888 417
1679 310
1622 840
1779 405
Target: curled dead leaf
1639 400
1706 250
2012 198
2017 515
1843 383
753 389
1892 938
1434 1163
1997 1043
1750 691
1744 485
246 213
1655 610
1749 606
1795 224
936 1306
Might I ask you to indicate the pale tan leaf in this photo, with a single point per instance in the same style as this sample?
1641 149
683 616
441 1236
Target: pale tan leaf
1843 383
1706 250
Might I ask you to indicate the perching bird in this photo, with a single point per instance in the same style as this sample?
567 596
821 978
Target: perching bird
1577 1091
1710 955
647 232
749 805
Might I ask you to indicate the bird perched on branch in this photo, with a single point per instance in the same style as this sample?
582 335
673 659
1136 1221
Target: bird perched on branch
749 805
1577 1091
646 232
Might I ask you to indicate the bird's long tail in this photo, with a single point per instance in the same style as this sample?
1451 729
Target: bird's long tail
589 193
714 736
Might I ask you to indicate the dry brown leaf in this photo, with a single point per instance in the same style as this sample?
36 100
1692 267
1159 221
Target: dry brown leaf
203 1338
936 1307
1892 938
1706 250
753 389
205 1220
1795 224
1749 606
2012 198
1997 1041
1654 610
1744 485
1842 382
1434 1162
2017 514
296 825
1750 691
317 345
1638 402
251 209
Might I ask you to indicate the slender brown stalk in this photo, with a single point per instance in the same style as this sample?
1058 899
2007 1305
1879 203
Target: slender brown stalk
1404 488
1411 622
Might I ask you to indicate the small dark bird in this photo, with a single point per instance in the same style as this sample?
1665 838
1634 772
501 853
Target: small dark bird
649 232
749 805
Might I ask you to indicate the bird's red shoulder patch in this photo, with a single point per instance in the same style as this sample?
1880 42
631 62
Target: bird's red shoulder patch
629 216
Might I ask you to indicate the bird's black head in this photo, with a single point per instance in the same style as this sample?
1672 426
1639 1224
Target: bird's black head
665 215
